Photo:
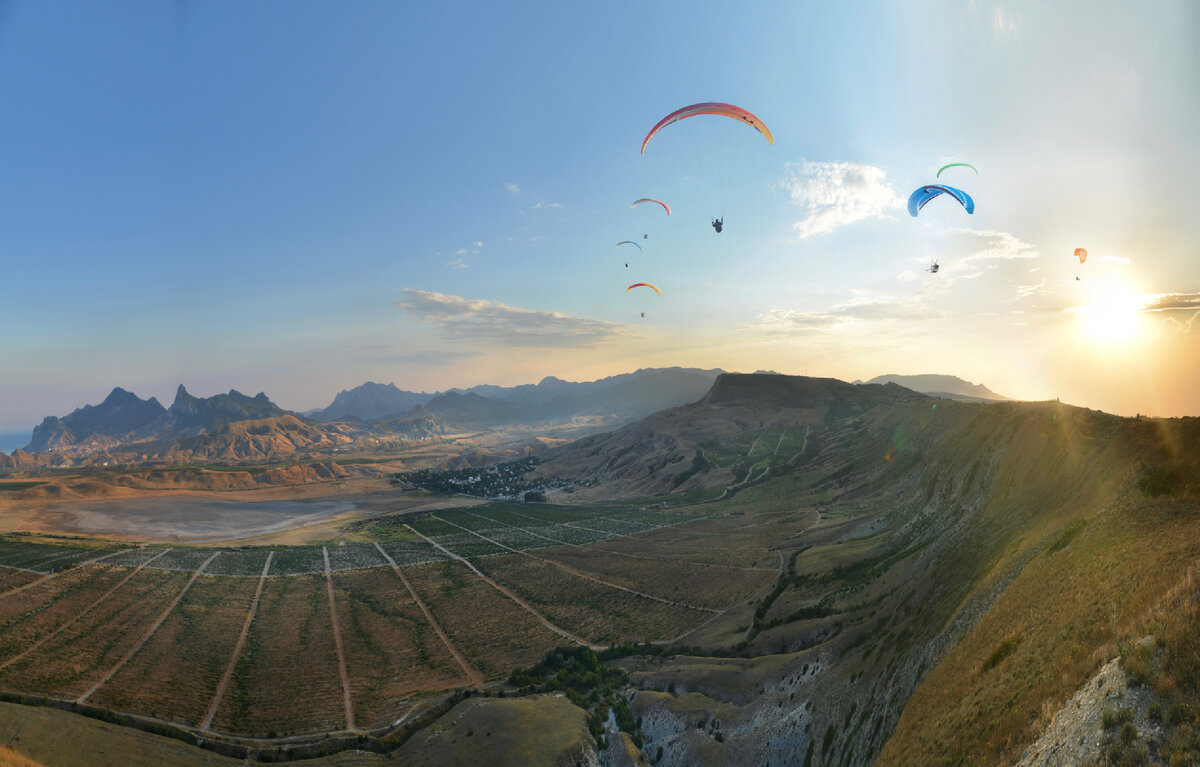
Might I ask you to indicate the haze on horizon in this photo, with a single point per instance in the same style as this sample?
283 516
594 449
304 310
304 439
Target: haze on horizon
295 198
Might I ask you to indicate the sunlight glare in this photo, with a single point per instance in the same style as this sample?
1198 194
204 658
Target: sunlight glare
1112 315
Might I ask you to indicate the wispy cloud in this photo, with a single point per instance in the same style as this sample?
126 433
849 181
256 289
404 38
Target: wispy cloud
834 194
863 308
513 188
987 245
1168 302
542 205
459 261
495 323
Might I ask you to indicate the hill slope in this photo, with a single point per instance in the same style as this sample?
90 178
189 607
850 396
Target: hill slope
953 537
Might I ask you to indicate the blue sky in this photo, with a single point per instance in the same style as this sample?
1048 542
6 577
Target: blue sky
297 197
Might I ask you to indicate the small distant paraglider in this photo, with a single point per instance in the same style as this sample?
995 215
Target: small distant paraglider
718 224
924 194
666 207
957 165
643 285
710 108
933 267
1081 254
628 242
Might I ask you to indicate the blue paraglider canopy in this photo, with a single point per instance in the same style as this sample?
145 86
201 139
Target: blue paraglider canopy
924 194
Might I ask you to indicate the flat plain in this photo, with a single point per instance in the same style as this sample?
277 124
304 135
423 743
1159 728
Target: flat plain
424 604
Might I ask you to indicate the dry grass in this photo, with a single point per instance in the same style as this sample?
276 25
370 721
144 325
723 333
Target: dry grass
538 730
1069 607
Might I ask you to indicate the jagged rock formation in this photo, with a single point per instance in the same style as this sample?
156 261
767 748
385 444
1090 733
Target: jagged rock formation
120 414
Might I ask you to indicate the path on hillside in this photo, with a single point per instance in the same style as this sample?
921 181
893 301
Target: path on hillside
337 641
473 675
79 614
506 592
134 650
579 573
237 650
725 493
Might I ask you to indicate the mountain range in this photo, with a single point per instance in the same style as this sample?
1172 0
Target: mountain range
237 428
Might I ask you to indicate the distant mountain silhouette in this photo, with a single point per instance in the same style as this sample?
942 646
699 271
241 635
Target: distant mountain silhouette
191 416
947 387
371 401
120 414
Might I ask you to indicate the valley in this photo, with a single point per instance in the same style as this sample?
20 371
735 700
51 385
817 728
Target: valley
788 571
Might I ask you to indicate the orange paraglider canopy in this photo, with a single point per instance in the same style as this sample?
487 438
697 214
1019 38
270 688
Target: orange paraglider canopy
710 108
1081 254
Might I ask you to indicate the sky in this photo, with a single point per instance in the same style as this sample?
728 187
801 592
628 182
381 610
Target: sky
297 197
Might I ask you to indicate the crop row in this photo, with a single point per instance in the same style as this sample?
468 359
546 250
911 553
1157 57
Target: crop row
72 661
705 585
392 654
45 557
175 675
600 613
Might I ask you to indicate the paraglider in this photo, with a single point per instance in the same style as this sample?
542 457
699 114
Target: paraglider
1081 254
957 165
666 207
924 194
628 242
643 285
933 268
718 223
710 108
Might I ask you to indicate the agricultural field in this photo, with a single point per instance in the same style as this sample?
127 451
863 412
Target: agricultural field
597 612
393 655
296 560
44 557
11 579
355 556
246 562
166 683
705 585
286 681
412 552
77 658
88 629
494 633
28 615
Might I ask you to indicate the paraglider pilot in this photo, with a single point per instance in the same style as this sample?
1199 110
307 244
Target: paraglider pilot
718 223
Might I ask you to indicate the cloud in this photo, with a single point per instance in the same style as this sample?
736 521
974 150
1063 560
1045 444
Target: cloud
864 308
513 189
834 194
457 263
498 324
988 245
1167 302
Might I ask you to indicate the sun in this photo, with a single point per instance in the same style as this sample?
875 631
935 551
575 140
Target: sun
1112 314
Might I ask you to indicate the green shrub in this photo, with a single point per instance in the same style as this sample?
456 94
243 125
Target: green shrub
1005 649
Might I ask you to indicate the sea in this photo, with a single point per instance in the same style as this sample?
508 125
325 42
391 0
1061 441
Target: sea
11 440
